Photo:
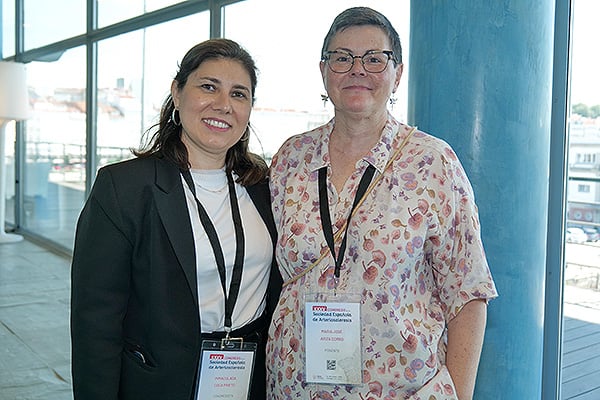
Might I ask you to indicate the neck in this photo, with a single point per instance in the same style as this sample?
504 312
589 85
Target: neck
358 129
206 161
357 139
201 157
206 165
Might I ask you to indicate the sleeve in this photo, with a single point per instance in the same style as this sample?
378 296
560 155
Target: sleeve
277 180
460 266
440 387
100 276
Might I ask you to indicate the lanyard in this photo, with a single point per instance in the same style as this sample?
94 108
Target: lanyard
326 217
236 278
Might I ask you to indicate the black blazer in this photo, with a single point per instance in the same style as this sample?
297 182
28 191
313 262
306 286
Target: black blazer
134 286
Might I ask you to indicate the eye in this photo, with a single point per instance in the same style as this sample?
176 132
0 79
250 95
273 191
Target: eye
208 86
341 58
240 94
374 58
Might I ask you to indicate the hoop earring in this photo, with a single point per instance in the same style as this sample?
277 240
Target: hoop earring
175 117
324 99
246 136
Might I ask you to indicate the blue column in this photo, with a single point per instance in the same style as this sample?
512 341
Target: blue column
480 75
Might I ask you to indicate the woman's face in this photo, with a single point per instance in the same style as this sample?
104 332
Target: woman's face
214 107
359 91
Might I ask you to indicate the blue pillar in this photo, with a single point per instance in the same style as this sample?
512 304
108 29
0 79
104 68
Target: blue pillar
480 78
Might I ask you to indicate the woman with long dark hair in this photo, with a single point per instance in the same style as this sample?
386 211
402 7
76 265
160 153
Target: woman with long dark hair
174 249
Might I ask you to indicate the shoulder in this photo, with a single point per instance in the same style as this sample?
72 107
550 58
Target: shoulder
138 175
307 146
427 141
307 140
138 168
438 159
259 191
127 167
428 149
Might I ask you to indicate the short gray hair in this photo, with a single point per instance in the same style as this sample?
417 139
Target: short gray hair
358 16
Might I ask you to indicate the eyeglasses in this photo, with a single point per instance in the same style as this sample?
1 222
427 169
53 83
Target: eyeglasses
372 61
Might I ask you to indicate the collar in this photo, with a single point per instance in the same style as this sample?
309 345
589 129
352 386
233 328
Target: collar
378 156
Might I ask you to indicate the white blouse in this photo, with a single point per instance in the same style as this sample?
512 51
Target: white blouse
212 192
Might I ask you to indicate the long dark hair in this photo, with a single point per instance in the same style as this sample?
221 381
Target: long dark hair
166 140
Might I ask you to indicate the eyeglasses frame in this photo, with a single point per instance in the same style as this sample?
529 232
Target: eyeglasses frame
327 56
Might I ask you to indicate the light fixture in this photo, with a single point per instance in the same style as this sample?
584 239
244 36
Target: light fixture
13 107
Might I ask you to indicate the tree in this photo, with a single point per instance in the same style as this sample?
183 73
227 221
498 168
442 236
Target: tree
595 111
581 109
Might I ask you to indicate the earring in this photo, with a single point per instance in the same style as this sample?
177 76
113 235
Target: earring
393 101
324 99
246 136
175 117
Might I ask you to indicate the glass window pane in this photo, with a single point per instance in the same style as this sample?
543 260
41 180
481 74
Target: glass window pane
581 294
113 11
289 94
9 171
51 21
54 172
7 47
135 71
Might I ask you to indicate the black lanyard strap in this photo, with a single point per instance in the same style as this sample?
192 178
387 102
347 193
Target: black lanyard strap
238 265
326 217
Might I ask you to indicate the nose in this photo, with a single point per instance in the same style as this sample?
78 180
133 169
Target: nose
357 60
222 102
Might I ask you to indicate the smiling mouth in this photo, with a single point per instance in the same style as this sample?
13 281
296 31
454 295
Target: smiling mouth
357 87
217 124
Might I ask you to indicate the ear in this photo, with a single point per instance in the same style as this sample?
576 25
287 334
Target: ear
322 68
175 93
399 70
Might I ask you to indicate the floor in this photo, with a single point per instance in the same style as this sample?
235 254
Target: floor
34 327
581 360
34 330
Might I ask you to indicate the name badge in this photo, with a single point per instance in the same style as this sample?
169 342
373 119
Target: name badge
333 345
226 369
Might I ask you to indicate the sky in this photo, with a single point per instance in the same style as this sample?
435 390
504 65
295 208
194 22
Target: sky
585 78
585 56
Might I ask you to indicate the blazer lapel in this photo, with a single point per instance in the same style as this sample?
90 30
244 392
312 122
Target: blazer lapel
259 193
261 198
173 211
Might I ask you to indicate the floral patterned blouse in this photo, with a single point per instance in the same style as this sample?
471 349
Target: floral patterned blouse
414 257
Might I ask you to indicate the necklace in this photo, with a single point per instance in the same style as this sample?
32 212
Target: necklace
212 181
212 190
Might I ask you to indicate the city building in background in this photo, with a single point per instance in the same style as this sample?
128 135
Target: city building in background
583 200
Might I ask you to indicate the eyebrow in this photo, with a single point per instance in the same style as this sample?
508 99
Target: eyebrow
352 52
235 86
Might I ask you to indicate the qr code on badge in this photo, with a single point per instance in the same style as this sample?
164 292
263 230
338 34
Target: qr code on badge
330 365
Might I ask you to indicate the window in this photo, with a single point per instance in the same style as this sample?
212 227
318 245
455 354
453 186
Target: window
51 21
133 62
134 77
579 357
583 188
54 172
289 94
7 28
112 11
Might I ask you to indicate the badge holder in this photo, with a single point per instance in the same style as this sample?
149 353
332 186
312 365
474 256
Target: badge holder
226 367
333 339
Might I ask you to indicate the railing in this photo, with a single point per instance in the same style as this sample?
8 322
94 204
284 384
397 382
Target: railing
587 276
65 162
